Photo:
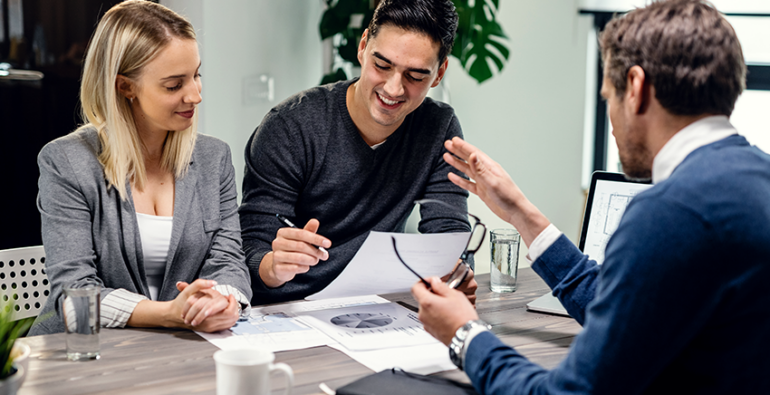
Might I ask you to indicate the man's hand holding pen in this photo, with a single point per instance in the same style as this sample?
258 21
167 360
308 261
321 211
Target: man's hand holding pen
295 250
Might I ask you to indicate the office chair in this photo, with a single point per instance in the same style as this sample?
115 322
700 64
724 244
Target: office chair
24 285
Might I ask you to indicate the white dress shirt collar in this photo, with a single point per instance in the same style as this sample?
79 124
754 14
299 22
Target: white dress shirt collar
695 135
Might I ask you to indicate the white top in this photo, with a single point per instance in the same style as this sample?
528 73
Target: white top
155 232
695 135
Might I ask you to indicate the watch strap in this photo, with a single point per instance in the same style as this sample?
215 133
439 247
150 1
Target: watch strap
462 338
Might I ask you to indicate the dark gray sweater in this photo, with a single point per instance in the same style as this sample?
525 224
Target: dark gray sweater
307 160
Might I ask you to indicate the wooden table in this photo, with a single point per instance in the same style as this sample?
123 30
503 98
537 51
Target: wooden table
159 361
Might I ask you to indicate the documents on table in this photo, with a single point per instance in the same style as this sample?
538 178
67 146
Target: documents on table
423 359
375 269
369 329
276 328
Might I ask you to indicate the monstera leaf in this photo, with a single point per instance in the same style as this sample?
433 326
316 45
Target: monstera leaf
479 37
477 34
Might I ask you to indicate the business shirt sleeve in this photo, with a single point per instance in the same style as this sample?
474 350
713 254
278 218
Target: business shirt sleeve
435 218
225 261
629 334
66 226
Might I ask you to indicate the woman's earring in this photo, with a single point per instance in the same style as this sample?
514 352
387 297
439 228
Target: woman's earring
131 99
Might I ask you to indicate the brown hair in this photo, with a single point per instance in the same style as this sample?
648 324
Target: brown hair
129 36
688 51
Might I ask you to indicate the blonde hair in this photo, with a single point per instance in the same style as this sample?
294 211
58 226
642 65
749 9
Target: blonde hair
129 36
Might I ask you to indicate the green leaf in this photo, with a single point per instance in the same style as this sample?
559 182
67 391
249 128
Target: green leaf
337 75
9 332
474 39
332 23
349 50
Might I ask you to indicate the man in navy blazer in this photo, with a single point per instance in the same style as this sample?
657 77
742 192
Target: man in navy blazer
680 304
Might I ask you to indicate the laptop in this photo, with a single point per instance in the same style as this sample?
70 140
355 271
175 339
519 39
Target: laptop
608 197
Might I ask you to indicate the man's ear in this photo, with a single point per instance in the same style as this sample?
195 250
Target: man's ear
125 87
637 90
362 46
441 71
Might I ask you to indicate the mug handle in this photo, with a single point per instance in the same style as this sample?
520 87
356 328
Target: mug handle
289 375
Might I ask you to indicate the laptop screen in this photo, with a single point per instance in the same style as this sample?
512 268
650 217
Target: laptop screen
607 199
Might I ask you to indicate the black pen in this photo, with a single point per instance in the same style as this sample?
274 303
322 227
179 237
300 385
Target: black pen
291 225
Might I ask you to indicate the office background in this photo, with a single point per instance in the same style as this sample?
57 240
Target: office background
537 118
529 118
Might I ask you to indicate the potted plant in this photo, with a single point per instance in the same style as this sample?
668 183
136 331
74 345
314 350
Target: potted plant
12 374
479 40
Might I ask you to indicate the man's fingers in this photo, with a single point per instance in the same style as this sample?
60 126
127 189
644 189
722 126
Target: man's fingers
309 239
477 164
312 225
288 270
439 287
458 164
460 147
469 186
420 292
294 258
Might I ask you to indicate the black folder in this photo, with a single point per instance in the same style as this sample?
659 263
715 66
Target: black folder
396 382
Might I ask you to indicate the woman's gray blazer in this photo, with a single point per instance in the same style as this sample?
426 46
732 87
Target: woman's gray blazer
89 232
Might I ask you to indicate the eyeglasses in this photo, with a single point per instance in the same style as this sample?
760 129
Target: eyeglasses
476 239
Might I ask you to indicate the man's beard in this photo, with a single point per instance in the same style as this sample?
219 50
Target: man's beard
636 160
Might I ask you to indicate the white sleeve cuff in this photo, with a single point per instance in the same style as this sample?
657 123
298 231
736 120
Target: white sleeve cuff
468 338
543 241
118 306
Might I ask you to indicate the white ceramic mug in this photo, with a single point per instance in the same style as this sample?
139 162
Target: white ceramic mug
247 371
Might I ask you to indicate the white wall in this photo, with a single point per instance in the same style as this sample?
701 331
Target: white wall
241 40
529 118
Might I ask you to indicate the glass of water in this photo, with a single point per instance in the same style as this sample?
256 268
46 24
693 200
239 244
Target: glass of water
505 259
81 319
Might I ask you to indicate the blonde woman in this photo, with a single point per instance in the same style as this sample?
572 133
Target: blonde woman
137 199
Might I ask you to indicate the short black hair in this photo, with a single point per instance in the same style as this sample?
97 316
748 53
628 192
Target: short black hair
435 18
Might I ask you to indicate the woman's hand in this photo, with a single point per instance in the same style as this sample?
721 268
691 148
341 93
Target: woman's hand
206 310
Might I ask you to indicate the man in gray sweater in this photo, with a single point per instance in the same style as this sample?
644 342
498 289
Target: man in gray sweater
347 158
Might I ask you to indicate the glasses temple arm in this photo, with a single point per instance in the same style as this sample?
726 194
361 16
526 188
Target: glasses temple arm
407 266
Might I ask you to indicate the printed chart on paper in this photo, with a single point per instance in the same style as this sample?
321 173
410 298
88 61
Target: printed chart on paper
277 328
370 326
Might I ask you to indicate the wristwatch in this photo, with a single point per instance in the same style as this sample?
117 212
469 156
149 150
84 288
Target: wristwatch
244 311
457 345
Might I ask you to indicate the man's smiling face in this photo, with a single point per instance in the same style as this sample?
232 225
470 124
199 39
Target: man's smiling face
398 67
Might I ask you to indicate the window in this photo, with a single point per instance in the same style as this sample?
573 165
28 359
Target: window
752 111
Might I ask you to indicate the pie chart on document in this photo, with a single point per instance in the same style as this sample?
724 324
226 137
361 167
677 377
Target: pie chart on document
361 320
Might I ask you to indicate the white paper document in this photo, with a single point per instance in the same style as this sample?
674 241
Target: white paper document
373 331
370 327
375 269
277 328
424 359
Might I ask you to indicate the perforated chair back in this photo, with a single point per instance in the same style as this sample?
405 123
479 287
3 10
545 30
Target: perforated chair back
23 282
